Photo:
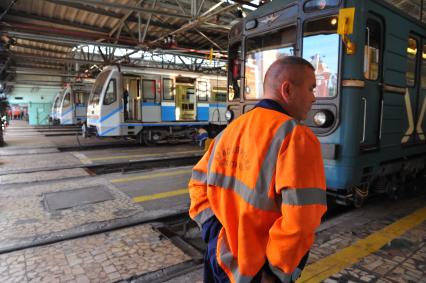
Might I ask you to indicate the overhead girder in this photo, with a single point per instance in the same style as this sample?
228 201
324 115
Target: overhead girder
53 59
100 11
101 34
45 65
39 72
130 44
78 37
201 19
27 46
124 7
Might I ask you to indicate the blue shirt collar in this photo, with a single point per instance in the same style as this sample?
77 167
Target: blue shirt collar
271 104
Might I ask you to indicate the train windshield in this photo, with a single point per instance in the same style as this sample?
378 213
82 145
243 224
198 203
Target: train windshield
321 48
261 52
57 102
97 87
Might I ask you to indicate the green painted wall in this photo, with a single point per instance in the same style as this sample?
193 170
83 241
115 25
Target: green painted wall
38 99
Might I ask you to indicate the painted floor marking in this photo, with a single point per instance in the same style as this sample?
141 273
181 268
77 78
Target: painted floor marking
82 157
324 268
160 195
141 155
137 178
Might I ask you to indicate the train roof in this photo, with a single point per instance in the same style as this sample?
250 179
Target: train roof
269 8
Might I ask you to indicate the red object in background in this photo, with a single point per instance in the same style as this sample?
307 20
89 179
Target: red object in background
16 112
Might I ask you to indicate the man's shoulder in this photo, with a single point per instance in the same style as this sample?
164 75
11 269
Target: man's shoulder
306 132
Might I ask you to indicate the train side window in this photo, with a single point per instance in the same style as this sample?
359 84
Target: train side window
79 98
168 89
67 100
148 90
202 91
423 84
111 92
218 94
372 50
411 62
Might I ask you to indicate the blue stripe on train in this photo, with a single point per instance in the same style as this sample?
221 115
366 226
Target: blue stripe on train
107 131
203 113
106 117
168 113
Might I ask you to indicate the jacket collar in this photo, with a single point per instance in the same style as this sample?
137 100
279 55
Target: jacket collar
271 104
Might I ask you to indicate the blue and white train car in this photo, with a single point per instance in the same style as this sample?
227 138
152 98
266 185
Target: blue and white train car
70 105
155 104
54 116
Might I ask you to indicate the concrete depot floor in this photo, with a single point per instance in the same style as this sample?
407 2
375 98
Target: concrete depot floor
41 244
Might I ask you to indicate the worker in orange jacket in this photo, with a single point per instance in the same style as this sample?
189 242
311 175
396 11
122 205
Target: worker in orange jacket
259 191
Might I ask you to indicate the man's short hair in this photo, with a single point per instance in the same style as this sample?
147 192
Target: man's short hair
283 68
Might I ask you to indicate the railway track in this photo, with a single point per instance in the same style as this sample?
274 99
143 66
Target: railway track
126 166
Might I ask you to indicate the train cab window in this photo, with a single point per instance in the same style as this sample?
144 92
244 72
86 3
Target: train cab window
321 48
411 62
372 50
58 101
168 89
262 51
97 87
234 73
67 100
111 92
202 91
148 90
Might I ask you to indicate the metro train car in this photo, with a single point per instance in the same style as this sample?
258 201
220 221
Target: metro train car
155 105
370 67
70 104
54 117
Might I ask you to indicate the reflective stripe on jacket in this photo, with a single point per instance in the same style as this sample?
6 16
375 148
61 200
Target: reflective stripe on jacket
263 178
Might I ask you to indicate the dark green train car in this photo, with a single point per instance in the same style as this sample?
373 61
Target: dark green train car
370 104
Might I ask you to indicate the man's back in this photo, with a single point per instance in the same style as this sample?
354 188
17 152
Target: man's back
259 191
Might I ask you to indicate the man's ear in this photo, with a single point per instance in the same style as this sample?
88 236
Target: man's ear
285 90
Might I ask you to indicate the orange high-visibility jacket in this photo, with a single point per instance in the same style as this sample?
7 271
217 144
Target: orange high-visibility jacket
263 178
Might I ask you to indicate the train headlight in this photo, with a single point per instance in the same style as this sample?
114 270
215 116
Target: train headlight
323 118
229 115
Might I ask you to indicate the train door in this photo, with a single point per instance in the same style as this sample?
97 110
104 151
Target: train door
131 101
67 108
414 98
80 108
203 94
151 99
371 97
420 125
168 104
217 106
185 99
111 107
